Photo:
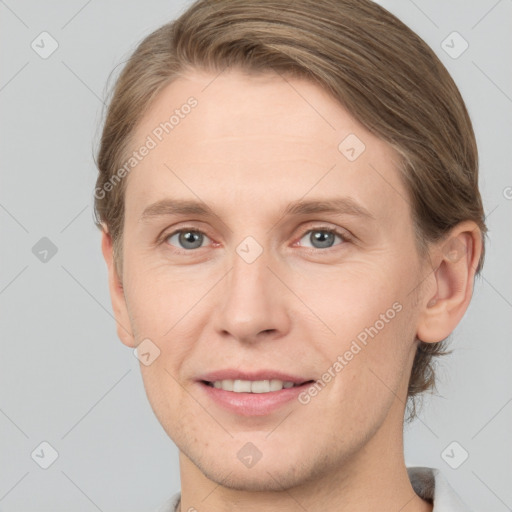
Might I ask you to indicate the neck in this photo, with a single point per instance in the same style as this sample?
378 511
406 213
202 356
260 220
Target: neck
374 478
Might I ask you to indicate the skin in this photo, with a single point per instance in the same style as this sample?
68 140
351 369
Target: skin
253 145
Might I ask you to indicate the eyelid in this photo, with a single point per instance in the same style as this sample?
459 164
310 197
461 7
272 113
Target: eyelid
344 234
169 231
162 238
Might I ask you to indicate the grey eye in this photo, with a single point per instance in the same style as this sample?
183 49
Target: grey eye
320 238
187 239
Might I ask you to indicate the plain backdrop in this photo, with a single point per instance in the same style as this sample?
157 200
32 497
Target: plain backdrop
65 378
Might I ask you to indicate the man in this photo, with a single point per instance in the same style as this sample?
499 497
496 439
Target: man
288 197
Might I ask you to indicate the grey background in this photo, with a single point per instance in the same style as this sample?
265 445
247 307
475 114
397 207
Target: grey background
64 376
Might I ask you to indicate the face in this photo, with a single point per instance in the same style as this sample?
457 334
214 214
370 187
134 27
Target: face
267 243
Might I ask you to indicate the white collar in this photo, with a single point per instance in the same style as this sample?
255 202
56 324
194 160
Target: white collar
428 483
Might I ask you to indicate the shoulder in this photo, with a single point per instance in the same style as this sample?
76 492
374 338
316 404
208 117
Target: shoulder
430 484
170 504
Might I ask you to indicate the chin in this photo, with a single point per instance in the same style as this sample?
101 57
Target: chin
264 479
270 474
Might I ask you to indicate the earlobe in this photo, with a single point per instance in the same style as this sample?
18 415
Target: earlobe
117 297
450 284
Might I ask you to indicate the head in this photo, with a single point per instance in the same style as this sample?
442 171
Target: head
294 190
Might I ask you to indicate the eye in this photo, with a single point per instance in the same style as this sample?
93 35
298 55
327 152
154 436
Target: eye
322 238
186 239
319 238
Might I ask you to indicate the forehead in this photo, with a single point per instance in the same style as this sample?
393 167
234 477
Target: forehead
258 140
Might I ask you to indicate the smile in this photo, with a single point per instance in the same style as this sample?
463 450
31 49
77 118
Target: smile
259 394
251 386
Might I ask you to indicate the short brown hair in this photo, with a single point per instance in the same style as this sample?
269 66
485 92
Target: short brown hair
384 74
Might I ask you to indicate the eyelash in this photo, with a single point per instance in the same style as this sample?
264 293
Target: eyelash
326 229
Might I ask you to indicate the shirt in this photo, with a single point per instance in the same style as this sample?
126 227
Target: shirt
428 483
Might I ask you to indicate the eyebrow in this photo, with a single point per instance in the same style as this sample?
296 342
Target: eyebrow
337 205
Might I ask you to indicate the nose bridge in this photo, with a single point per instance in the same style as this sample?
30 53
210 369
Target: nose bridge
250 301
248 282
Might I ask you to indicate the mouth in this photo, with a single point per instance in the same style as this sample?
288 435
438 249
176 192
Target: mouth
254 386
256 396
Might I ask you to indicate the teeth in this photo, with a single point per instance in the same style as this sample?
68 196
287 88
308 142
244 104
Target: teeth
241 386
252 386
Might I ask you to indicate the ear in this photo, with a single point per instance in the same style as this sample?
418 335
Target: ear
116 291
450 285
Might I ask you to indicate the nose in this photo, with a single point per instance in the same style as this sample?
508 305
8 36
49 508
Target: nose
254 302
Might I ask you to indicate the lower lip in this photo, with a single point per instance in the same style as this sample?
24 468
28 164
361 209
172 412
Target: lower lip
253 404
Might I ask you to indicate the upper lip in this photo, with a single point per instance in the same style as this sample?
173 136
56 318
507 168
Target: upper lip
233 374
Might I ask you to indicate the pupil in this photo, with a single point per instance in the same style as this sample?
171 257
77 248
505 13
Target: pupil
191 237
323 238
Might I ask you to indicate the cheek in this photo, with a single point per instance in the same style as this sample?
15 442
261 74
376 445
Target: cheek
161 299
368 352
351 301
161 306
